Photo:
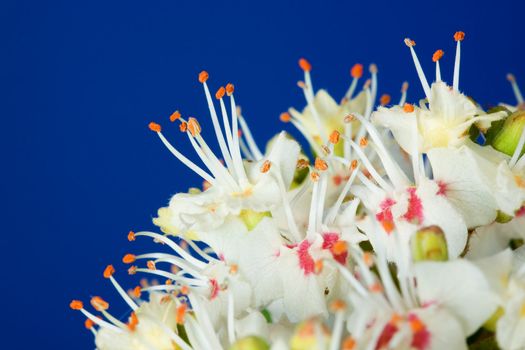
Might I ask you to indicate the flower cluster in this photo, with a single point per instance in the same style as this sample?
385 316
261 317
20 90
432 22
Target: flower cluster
402 230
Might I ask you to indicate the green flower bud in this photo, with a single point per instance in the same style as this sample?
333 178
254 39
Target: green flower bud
252 218
429 243
507 138
250 343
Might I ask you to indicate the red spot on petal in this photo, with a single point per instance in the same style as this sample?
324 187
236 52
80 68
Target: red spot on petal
306 262
442 191
214 289
414 212
521 211
421 336
386 336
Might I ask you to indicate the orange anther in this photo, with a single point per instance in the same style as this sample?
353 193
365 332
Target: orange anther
184 290
88 323
285 117
314 176
181 312
133 321
151 265
416 325
404 87
376 288
318 266
368 258
76 305
99 304
302 163
234 268
348 344
385 99
363 142
395 319
511 77
229 89
183 127
357 71
410 42
128 259
109 271
459 36
132 270
265 167
168 282
137 291
334 137
337 305
408 108
305 65
194 126
131 236
220 93
239 133
339 248
174 116
354 164
320 164
349 118
437 55
373 68
154 127
203 76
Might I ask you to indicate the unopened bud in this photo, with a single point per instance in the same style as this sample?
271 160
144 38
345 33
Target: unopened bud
250 343
429 243
507 138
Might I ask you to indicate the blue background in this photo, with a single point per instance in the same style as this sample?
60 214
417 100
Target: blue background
80 80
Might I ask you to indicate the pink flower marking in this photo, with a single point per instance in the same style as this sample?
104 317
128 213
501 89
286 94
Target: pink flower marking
214 289
385 215
442 191
306 262
414 212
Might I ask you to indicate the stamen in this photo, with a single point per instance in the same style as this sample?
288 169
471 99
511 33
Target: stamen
411 43
76 305
285 117
435 58
133 321
404 89
154 127
517 151
320 164
408 108
373 92
515 88
356 72
305 65
363 142
220 93
203 76
131 236
128 259
181 312
334 137
266 166
249 138
194 127
109 271
458 37
231 318
385 99
175 116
